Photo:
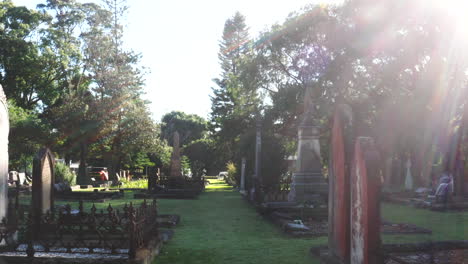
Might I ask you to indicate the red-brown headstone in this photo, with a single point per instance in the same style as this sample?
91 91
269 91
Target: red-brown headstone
365 203
339 185
43 181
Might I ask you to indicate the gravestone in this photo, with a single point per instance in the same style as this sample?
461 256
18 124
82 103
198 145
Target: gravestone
365 203
242 181
4 130
175 158
12 176
408 177
22 178
308 183
43 181
339 184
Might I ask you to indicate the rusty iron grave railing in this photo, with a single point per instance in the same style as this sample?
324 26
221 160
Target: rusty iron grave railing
109 231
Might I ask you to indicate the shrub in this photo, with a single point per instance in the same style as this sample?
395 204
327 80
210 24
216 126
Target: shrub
140 183
64 174
231 170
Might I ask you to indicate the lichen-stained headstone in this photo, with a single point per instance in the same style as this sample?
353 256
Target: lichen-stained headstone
339 184
365 203
43 181
4 130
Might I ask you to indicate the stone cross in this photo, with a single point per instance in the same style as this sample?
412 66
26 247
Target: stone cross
365 203
175 159
339 184
43 181
4 130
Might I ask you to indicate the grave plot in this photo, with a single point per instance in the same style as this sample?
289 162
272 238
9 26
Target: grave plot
430 252
174 186
355 219
97 195
309 218
130 235
290 203
427 200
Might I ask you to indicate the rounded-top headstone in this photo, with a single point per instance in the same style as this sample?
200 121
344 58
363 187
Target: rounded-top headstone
4 130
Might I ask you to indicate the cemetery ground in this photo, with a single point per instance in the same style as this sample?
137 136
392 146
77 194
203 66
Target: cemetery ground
221 227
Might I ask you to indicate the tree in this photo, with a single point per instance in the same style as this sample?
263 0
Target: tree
235 102
190 127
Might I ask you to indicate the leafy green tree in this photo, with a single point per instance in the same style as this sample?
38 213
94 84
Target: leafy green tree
190 127
201 153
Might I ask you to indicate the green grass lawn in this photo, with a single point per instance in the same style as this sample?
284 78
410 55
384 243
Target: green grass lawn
221 227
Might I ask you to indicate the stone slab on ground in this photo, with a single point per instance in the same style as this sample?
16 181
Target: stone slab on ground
169 194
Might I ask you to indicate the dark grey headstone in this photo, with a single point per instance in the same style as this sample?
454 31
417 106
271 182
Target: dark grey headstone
4 130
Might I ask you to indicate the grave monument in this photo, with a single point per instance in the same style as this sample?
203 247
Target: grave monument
308 183
4 130
43 181
175 158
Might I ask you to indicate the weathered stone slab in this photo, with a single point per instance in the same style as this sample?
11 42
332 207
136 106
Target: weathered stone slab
4 130
339 184
43 181
365 203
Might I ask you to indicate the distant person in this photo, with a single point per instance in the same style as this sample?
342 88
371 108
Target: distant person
104 175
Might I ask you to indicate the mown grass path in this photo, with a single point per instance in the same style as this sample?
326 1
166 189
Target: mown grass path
220 227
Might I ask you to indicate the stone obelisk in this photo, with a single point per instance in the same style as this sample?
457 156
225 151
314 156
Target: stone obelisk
4 130
175 158
308 183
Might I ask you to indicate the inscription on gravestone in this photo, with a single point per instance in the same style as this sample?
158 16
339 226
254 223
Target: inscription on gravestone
4 130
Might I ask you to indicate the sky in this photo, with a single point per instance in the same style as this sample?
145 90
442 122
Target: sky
178 41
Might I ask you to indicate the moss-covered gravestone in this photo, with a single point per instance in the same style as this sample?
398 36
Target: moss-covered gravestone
4 129
43 181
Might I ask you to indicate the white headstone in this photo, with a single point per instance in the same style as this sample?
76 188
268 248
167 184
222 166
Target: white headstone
4 130
409 178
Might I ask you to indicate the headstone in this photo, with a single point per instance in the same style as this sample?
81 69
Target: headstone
339 184
308 183
22 178
175 159
4 130
365 203
242 181
408 178
43 181
12 176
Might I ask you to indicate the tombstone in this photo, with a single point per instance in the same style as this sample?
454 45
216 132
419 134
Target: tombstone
4 130
308 183
409 185
339 184
22 178
175 158
12 176
365 203
242 181
43 181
